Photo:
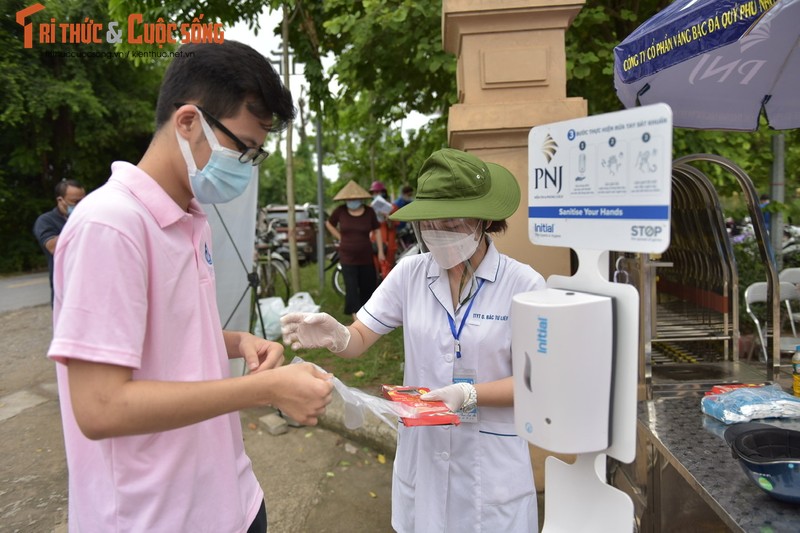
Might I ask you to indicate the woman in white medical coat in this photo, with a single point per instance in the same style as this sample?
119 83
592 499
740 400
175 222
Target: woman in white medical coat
454 305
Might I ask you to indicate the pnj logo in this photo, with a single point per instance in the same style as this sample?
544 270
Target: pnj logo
549 148
548 178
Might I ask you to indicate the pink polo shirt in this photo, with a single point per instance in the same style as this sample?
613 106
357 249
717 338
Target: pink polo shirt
134 286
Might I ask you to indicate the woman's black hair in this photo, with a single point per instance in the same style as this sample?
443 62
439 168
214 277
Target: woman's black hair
497 226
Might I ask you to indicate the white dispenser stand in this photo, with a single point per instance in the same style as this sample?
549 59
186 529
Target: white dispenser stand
595 184
568 334
577 498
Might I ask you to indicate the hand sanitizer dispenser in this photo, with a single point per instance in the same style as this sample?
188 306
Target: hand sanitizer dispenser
563 344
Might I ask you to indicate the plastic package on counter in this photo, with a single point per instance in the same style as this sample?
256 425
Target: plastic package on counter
750 403
357 402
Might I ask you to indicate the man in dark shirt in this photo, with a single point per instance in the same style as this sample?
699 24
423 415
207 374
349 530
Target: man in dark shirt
48 226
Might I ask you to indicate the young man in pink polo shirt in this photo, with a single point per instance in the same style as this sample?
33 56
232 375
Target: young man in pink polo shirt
149 409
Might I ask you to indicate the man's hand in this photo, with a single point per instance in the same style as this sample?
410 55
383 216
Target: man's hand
302 391
314 330
260 354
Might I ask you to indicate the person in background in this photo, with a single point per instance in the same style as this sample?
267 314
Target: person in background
355 225
404 232
405 198
149 408
383 208
453 305
763 203
48 225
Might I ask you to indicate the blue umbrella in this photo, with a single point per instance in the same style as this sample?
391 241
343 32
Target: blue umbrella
717 63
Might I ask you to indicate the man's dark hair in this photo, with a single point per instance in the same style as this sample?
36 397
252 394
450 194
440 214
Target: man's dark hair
61 186
219 78
408 189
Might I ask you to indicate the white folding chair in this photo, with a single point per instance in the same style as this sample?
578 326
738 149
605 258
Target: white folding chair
791 275
757 293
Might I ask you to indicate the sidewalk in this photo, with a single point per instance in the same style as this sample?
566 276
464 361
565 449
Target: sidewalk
316 479
325 478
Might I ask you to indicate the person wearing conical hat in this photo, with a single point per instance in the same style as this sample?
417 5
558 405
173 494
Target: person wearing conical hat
453 303
355 225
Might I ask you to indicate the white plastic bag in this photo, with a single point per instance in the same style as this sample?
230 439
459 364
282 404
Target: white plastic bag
301 302
272 309
357 402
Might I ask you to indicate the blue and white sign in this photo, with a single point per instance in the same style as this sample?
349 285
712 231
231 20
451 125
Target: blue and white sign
602 182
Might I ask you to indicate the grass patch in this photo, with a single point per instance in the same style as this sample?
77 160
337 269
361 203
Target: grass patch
382 363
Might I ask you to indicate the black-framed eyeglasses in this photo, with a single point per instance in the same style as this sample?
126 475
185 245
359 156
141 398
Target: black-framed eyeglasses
255 156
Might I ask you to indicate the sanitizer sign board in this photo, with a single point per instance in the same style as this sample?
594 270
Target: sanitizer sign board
602 182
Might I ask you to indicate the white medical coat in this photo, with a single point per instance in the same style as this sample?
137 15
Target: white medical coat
471 477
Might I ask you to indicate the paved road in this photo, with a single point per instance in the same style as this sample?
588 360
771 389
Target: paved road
315 479
25 290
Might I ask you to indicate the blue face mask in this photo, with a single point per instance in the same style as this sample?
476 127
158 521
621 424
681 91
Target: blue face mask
70 209
224 177
353 204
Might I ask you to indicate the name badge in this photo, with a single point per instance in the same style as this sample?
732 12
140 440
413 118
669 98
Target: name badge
467 376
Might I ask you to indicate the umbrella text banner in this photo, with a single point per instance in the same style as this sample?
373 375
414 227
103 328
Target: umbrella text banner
691 33
717 63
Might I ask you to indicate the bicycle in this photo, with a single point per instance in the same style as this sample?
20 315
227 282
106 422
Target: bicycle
270 275
337 278
405 247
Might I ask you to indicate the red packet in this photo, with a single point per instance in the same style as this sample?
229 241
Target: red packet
722 389
430 413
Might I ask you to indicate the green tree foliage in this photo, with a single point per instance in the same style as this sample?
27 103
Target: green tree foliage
62 117
590 42
389 51
272 181
389 62
67 117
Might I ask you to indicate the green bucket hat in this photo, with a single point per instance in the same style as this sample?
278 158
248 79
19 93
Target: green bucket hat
455 184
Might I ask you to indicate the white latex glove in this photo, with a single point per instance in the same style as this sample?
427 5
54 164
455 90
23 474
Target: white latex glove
314 330
456 396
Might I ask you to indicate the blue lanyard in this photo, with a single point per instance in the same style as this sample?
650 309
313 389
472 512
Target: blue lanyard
457 334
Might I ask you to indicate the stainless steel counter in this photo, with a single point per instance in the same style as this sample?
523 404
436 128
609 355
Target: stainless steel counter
693 444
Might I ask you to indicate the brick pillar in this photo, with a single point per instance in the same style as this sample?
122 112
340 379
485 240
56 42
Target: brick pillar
511 77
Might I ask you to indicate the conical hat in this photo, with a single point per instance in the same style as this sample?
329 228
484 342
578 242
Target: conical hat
352 191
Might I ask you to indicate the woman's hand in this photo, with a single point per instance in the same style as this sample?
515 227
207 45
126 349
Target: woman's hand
314 330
